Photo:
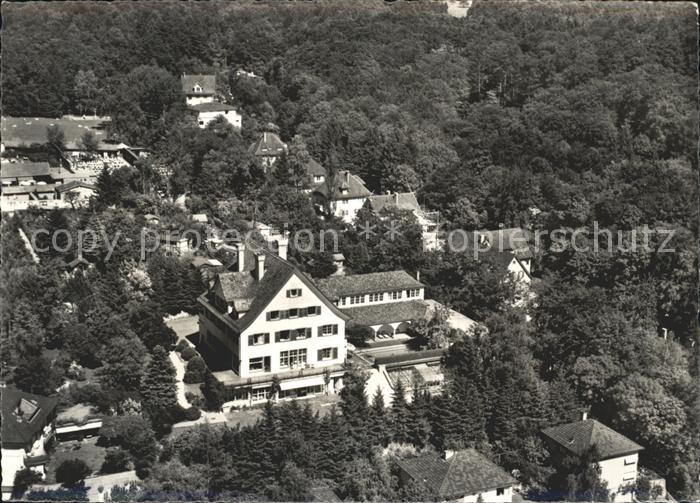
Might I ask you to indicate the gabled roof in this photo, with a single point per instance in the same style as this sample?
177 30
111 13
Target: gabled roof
268 145
206 82
24 169
212 106
335 287
467 472
388 312
580 436
24 415
345 186
513 239
313 168
402 201
246 294
65 187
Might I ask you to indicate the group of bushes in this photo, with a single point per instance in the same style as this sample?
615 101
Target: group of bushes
196 367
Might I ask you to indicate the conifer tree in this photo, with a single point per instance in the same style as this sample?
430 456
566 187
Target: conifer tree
400 415
158 388
419 409
378 424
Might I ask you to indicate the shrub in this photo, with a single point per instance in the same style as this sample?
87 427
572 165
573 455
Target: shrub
116 460
188 353
358 335
192 414
196 369
24 478
71 471
182 344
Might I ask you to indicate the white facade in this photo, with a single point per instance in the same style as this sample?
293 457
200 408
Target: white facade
500 495
390 296
305 351
231 116
198 100
619 473
346 209
14 460
312 344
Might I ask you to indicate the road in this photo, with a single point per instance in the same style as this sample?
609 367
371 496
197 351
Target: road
185 326
179 376
106 482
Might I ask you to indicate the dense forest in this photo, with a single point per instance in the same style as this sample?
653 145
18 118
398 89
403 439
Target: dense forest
548 115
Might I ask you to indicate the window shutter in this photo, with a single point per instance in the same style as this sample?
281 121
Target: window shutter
307 331
289 293
303 311
320 331
267 338
335 353
277 336
269 316
319 356
335 329
250 340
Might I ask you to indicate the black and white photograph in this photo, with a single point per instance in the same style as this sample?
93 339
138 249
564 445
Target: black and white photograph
350 250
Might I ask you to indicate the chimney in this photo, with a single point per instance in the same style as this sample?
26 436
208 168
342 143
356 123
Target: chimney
259 266
240 256
448 454
418 275
396 198
584 415
347 177
282 244
264 137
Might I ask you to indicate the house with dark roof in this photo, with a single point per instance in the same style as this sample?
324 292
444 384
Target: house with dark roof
204 113
465 475
28 425
345 194
76 193
266 322
618 456
387 301
198 89
407 201
268 148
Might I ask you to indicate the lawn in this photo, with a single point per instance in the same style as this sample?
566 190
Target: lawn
85 450
28 130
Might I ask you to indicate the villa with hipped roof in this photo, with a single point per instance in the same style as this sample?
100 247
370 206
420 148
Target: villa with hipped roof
198 89
28 425
345 198
465 475
407 201
618 456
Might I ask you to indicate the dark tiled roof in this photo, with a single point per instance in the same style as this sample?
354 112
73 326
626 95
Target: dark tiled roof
466 473
403 201
20 429
65 187
346 186
390 312
212 106
24 169
580 436
313 168
269 144
206 82
241 288
335 287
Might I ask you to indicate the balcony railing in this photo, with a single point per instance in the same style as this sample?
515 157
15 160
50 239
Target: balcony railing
230 378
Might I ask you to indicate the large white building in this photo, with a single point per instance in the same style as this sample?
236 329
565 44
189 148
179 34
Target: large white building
618 456
28 425
267 319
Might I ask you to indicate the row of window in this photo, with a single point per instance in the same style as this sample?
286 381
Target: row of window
291 358
292 335
260 394
293 313
411 293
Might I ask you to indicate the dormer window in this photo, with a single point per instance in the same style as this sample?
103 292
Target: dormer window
318 179
294 292
197 88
